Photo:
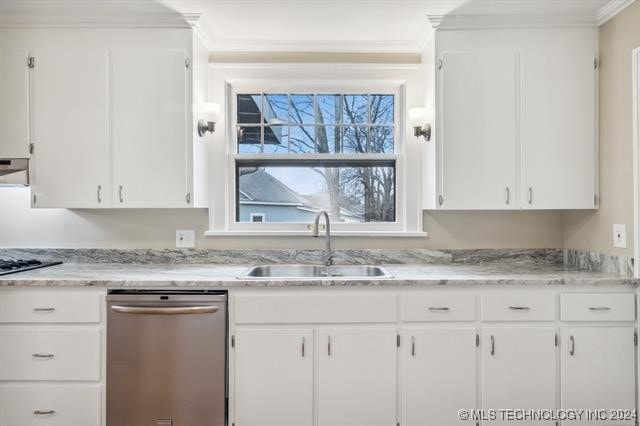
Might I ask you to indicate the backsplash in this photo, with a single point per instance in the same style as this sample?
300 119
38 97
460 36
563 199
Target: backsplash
214 256
598 262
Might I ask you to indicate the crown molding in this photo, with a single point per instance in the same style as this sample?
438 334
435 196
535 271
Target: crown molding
458 22
150 21
200 27
611 9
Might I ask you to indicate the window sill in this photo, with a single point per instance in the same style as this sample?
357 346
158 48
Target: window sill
279 233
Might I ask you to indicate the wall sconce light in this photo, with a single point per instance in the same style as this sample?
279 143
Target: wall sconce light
419 117
211 112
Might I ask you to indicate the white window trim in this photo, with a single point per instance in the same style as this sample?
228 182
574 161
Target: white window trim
395 86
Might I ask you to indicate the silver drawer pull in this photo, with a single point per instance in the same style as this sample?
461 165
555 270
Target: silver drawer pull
519 308
493 345
150 310
413 346
47 356
44 412
439 308
599 308
572 350
44 309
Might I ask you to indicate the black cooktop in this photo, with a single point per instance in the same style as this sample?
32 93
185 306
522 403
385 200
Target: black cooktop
13 266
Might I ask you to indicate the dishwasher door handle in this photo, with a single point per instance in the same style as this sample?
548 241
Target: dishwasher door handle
153 310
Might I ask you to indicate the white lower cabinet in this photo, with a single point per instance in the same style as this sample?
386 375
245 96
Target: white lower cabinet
598 372
439 375
357 376
51 356
50 405
518 370
274 377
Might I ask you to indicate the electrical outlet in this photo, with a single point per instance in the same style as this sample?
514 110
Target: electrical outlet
186 238
620 236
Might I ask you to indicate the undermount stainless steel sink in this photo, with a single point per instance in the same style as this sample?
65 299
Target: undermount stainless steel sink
315 271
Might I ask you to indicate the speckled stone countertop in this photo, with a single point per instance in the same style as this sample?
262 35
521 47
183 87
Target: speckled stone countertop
114 275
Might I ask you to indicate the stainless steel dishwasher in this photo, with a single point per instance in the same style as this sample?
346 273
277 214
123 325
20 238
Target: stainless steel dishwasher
166 358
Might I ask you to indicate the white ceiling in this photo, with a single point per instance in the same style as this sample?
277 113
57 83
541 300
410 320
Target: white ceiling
307 25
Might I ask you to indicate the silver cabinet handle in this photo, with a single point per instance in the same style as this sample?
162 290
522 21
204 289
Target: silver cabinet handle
413 346
572 350
44 412
530 195
120 194
508 195
158 310
599 308
44 309
493 345
329 345
439 308
303 345
47 356
99 193
519 308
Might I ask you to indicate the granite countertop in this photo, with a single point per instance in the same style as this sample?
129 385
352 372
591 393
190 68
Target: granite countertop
115 275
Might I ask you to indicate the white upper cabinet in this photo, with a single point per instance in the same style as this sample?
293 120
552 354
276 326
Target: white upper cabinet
478 104
558 129
150 133
14 107
515 124
70 129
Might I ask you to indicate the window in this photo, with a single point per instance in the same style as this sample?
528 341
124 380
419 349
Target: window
257 217
300 153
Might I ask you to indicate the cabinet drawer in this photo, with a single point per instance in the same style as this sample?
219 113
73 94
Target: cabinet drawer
60 405
597 307
438 307
315 308
50 306
49 354
516 306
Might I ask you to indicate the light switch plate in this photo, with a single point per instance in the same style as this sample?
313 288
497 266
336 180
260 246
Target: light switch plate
620 235
185 238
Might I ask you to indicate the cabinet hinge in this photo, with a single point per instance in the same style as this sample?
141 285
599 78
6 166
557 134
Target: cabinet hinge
233 341
31 62
31 148
556 339
187 62
398 340
477 340
440 64
188 198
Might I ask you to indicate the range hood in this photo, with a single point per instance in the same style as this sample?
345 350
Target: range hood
14 171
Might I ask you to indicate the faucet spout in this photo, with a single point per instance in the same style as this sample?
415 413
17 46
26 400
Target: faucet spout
328 255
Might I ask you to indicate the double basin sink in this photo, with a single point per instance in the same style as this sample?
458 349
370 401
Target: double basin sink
316 271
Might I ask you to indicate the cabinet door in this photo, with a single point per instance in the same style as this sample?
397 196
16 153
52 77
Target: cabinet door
357 377
70 130
149 99
14 107
558 130
478 130
439 376
598 371
274 377
518 370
